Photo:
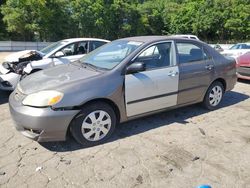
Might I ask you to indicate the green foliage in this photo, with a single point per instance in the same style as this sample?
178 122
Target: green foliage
213 19
44 19
56 19
3 32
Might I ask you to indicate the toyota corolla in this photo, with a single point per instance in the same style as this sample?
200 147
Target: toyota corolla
123 80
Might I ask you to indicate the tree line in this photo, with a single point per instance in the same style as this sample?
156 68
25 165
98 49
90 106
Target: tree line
52 20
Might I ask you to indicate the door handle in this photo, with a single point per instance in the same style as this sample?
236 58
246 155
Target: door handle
172 73
209 67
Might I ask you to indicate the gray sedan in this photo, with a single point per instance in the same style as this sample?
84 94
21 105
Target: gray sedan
123 80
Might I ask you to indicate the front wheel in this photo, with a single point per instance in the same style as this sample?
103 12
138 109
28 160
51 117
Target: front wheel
94 124
213 96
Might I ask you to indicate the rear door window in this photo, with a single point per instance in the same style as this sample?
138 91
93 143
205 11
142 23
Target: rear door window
82 47
189 52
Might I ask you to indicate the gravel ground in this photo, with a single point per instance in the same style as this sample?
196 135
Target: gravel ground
181 148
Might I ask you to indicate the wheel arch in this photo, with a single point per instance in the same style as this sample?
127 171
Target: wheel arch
221 80
205 101
105 100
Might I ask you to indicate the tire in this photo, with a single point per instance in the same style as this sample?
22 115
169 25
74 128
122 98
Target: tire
214 96
94 124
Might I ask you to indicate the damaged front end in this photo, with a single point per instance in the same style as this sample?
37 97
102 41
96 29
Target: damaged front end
12 72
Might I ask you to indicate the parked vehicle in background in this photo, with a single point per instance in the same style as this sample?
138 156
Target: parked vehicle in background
187 36
243 66
125 79
237 50
20 64
218 48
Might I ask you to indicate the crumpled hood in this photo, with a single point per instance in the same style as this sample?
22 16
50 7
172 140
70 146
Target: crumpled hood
14 57
55 78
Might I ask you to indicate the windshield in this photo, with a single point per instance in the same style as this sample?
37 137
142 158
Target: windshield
111 54
52 47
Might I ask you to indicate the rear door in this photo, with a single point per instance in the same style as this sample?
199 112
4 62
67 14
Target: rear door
156 87
196 69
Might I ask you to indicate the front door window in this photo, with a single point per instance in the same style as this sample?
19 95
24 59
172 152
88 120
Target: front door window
156 56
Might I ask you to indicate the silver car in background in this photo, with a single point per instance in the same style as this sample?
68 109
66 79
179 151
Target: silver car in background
237 50
123 80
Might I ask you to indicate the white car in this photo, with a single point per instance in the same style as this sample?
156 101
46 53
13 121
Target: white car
20 64
187 36
237 50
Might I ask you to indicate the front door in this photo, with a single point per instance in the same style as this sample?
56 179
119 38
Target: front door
156 87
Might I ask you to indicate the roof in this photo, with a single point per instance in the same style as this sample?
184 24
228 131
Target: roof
247 43
187 36
154 38
82 39
147 38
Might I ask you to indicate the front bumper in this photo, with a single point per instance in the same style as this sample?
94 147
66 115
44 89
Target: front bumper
11 78
8 77
40 124
243 77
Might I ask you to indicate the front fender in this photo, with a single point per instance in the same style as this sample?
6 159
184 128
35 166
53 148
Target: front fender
10 77
109 87
40 64
28 69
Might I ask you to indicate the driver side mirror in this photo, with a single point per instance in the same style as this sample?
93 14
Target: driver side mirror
136 67
59 54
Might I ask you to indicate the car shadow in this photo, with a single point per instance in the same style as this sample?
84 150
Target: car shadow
148 123
4 97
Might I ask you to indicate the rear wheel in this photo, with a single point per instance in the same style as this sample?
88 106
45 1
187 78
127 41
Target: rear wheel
94 124
213 95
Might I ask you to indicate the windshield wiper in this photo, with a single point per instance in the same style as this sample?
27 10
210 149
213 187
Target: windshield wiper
77 62
85 65
95 67
88 65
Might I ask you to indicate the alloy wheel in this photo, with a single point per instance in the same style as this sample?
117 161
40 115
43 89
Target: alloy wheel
96 125
215 95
